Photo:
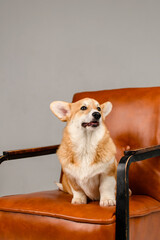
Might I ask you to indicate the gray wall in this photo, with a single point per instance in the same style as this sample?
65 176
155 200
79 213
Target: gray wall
50 49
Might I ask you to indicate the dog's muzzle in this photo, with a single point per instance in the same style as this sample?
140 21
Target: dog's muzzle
95 122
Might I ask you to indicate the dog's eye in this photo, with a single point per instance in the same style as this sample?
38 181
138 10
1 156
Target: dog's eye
99 109
83 108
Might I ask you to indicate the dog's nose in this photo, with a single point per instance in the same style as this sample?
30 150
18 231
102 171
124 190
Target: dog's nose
96 115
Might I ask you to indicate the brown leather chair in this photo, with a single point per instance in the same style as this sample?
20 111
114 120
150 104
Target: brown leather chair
133 123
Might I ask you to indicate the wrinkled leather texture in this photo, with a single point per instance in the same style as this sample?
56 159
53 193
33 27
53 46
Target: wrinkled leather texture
134 123
49 214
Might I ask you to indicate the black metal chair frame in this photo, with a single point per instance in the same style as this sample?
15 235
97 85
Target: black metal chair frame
122 205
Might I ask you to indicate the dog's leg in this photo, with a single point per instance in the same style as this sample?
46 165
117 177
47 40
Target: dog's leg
107 190
79 196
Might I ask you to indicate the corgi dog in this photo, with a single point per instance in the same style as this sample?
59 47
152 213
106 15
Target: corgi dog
87 152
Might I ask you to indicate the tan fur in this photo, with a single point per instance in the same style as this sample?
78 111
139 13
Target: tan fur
105 148
71 162
65 152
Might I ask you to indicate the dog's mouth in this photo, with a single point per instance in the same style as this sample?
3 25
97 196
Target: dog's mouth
90 124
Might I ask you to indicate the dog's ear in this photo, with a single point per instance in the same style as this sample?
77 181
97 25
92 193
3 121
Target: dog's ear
106 108
61 110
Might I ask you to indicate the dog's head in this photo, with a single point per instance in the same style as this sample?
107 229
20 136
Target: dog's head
85 114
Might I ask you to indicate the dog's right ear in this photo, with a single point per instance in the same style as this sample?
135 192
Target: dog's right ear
61 109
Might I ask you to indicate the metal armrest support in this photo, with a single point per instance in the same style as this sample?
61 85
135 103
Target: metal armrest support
122 207
26 153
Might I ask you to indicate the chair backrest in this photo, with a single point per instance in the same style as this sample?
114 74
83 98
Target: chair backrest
134 123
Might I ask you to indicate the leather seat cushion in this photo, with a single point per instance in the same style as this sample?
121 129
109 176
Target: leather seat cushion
22 213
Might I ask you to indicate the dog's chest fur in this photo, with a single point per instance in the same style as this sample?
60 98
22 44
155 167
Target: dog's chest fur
83 167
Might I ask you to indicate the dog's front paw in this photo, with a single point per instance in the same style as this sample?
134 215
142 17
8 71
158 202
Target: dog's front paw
79 201
107 202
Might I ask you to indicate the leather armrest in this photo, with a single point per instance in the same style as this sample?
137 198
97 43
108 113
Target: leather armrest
122 207
26 153
148 150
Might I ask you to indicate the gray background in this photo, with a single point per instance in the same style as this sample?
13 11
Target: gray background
50 49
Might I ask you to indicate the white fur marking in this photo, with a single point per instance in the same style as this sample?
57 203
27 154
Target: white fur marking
60 186
107 190
78 197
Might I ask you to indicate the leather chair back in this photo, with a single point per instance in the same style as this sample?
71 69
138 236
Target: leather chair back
134 123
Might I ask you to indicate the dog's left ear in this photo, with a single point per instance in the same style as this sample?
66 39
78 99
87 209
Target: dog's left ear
61 110
106 108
